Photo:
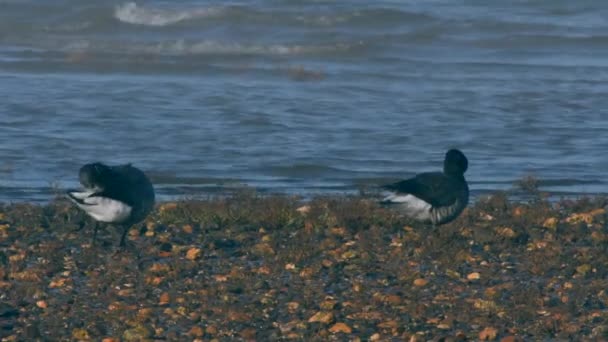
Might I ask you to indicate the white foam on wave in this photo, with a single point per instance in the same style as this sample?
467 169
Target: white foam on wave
206 47
131 13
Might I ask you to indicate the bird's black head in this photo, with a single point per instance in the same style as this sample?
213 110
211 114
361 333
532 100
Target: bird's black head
95 175
455 163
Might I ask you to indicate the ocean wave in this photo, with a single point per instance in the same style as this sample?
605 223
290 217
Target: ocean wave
131 13
182 47
370 16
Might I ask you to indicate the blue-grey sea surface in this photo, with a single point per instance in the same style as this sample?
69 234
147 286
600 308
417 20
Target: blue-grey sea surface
305 97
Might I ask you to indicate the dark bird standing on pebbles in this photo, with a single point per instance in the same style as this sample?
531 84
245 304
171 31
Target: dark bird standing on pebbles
121 195
433 197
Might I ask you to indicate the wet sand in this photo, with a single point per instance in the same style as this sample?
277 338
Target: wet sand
267 268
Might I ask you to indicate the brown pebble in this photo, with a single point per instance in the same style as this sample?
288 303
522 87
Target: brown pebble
340 327
263 270
322 317
211 330
196 331
248 333
375 337
164 299
488 334
420 282
187 229
473 276
327 263
293 306
550 223
80 334
193 253
307 272
144 313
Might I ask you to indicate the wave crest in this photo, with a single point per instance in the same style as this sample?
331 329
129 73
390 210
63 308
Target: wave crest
132 14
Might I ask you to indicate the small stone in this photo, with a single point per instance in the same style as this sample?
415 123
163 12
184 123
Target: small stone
583 269
375 337
322 317
488 334
220 278
550 223
41 304
506 232
211 330
338 231
138 333
263 270
518 211
485 305
196 331
159 268
187 229
340 327
328 304
114 306
327 263
144 313
388 325
263 248
25 276
248 334
307 272
416 338
193 253
164 299
293 306
420 282
473 276
80 334
348 255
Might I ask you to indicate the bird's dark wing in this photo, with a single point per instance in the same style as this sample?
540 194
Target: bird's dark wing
432 187
129 185
119 191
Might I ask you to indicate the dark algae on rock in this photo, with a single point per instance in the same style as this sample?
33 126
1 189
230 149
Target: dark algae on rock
266 268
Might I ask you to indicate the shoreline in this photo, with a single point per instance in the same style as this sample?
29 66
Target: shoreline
251 267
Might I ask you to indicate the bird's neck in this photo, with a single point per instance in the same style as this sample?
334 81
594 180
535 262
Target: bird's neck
456 175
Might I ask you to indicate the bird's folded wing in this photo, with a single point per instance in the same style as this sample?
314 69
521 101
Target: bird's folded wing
433 187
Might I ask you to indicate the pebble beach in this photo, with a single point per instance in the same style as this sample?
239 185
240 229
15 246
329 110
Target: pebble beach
258 268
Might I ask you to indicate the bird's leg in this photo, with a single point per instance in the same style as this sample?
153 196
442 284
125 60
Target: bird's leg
434 239
95 229
124 235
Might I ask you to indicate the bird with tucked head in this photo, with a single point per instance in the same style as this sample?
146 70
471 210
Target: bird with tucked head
121 195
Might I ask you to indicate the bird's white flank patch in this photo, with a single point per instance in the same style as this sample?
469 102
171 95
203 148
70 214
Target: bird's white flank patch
412 206
106 209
